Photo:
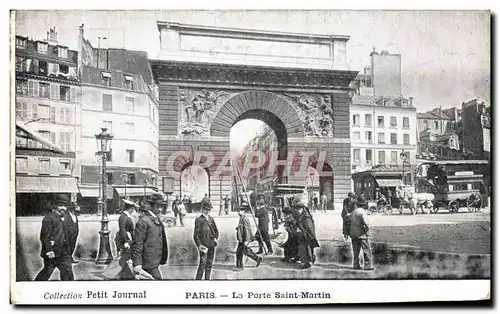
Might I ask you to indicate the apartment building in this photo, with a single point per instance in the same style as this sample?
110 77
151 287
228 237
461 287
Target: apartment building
47 109
119 95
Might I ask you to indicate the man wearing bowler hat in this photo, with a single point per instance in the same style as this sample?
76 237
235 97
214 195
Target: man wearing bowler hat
150 246
55 245
205 237
359 232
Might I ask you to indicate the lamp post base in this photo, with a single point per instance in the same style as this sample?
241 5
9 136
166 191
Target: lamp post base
104 255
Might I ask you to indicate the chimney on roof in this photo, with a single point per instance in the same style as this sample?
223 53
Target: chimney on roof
52 36
80 28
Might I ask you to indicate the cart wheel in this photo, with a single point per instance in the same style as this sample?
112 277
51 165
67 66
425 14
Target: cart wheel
372 210
474 202
453 206
388 210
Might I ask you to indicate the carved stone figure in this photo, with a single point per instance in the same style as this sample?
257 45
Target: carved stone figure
315 110
200 108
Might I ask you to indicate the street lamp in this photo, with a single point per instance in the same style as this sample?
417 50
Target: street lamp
104 255
404 156
220 189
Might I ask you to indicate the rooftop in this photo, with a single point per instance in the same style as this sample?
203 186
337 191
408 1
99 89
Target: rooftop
437 113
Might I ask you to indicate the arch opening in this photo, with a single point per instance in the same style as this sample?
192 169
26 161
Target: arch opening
194 183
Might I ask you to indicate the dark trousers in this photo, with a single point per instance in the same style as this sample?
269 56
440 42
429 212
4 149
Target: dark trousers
155 272
305 253
291 248
63 263
263 237
181 219
244 250
357 245
72 243
206 262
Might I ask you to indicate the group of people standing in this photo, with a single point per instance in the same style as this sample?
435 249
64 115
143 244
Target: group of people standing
319 203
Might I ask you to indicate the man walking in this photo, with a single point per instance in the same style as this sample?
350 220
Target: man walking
315 203
244 236
359 232
71 228
150 246
306 235
323 202
175 208
262 214
205 237
227 200
55 246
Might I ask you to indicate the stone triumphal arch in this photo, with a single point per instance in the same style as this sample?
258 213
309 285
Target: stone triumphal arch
211 78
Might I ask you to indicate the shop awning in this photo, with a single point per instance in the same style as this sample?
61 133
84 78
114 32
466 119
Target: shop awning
134 191
390 182
93 191
46 185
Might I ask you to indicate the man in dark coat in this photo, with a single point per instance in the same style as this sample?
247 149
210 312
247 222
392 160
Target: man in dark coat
348 206
360 232
205 237
55 247
175 207
71 228
291 246
150 246
262 215
306 235
244 236
125 236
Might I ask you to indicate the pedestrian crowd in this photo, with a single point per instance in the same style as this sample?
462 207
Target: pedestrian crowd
142 243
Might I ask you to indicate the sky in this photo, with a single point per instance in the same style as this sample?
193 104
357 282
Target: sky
445 54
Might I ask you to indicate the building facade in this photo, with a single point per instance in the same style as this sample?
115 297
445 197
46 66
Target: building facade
48 101
383 123
475 128
119 96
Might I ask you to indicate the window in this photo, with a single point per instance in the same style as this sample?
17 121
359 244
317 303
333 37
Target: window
43 68
108 125
42 47
128 82
131 155
406 122
357 154
20 42
49 136
62 52
130 130
406 139
356 136
131 178
44 112
22 87
387 102
22 64
368 156
394 122
65 115
65 166
106 78
425 124
64 93
355 119
110 155
109 177
394 138
381 157
63 69
54 68
130 104
436 125
21 165
394 157
368 120
44 90
381 138
33 88
107 102
65 141
368 136
154 114
21 110
380 121
44 165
